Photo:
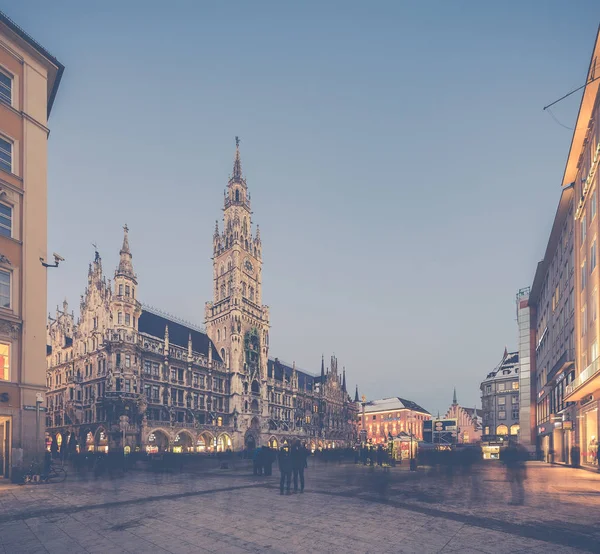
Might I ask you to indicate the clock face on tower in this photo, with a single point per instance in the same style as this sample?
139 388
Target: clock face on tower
248 266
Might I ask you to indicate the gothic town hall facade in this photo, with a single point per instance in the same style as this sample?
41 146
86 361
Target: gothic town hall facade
126 376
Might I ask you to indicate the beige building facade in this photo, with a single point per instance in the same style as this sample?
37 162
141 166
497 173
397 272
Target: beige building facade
582 172
468 421
29 79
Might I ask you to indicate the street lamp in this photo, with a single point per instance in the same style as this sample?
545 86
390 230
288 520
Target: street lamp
413 465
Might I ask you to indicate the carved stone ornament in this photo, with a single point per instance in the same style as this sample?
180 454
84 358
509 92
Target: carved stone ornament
11 329
4 260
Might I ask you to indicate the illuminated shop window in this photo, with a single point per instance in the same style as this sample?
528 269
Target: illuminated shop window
4 362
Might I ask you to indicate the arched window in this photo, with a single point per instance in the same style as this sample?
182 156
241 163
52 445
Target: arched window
223 291
229 264
230 287
502 430
255 387
246 245
218 335
222 269
237 195
254 406
223 355
252 294
244 290
246 389
514 429
225 333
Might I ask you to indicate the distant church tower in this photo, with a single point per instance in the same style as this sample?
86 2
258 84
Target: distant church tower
236 321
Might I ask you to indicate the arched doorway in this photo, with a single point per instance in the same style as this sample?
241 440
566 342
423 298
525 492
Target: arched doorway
273 443
101 440
224 443
183 443
250 440
158 441
205 442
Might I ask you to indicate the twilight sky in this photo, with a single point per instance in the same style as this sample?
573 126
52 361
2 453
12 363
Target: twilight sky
402 170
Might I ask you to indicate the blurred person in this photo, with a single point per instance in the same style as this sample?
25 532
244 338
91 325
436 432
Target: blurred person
514 457
285 469
299 456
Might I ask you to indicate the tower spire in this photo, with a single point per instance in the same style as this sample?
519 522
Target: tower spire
356 395
125 265
344 380
454 402
237 163
322 367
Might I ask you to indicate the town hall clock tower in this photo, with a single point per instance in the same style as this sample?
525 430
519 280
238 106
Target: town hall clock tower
236 320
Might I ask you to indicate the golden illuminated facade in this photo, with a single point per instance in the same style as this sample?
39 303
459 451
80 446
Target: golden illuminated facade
128 375
391 417
582 172
29 80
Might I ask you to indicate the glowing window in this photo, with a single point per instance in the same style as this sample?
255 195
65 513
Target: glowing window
4 362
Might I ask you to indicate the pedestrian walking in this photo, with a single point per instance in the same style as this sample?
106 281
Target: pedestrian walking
257 461
299 457
514 457
285 469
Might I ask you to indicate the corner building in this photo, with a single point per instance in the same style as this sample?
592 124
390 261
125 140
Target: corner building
125 375
582 172
29 80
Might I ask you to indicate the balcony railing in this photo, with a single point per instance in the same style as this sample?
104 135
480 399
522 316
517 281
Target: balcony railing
563 362
587 374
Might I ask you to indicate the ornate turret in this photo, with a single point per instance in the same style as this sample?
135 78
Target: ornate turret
125 265
356 398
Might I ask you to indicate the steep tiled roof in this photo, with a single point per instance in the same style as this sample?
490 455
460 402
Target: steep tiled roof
394 403
154 325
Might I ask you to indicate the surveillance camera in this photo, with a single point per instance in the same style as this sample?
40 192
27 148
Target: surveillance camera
58 257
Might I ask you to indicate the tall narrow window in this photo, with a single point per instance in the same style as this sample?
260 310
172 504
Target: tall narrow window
127 319
583 321
5 88
4 289
5 220
583 274
4 362
126 290
6 153
120 290
594 200
594 350
593 256
583 228
594 306
120 318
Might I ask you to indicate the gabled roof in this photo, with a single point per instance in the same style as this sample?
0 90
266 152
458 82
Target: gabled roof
391 404
53 79
508 368
154 325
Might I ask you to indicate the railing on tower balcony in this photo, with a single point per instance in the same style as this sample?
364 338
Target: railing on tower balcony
586 375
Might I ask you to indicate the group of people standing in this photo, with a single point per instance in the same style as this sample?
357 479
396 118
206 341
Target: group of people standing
291 460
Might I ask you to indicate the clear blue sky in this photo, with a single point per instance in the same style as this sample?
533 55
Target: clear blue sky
402 170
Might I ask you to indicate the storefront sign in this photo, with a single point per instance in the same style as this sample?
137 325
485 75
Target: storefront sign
33 408
567 425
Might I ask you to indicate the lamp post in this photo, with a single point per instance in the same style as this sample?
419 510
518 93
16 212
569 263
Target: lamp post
413 465
38 403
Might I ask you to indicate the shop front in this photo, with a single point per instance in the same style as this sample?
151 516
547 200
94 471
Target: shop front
588 421
9 404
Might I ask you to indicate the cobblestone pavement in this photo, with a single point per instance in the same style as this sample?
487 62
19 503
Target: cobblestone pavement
345 508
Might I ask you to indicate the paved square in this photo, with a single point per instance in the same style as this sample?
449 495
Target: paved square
345 508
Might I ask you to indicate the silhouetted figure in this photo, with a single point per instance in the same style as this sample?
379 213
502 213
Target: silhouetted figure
285 468
268 457
514 457
257 462
371 456
299 457
364 455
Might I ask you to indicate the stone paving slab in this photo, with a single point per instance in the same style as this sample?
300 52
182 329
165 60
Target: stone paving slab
345 508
